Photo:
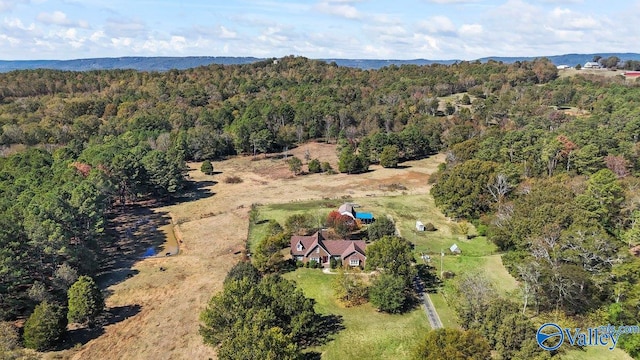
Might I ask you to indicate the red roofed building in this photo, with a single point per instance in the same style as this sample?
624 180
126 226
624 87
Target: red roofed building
316 248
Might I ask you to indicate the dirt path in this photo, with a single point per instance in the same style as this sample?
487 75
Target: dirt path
164 297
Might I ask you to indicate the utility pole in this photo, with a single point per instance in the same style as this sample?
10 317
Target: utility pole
441 259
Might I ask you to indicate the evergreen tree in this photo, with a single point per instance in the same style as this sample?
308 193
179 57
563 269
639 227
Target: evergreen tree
207 167
85 301
44 328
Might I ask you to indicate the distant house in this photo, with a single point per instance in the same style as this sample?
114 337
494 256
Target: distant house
562 67
632 73
455 249
316 248
349 210
419 226
591 65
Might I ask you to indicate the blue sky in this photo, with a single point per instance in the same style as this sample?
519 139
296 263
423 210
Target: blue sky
367 29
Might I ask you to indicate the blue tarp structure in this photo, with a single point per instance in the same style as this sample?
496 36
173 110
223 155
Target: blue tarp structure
365 217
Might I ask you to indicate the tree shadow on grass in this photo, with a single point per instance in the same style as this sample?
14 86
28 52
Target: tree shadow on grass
83 335
328 326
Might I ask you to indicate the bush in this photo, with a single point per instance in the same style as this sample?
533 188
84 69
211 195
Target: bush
207 167
45 326
85 301
333 263
326 167
232 180
9 338
429 227
314 264
299 264
314 166
381 227
482 229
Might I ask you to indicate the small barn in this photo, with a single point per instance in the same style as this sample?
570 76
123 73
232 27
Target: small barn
419 226
455 249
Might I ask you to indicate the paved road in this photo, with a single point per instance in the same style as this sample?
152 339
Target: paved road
429 309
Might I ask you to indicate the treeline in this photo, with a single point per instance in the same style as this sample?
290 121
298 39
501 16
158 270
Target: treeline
223 110
53 210
552 182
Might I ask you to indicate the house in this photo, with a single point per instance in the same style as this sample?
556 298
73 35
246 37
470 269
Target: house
316 248
349 210
562 67
455 249
419 226
591 65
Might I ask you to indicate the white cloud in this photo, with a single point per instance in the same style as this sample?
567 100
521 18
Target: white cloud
341 9
471 30
437 25
54 18
8 5
226 33
8 39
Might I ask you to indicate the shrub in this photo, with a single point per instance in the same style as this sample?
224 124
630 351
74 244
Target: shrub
325 167
207 167
85 301
429 227
299 264
314 166
389 156
333 263
9 338
314 264
44 327
232 180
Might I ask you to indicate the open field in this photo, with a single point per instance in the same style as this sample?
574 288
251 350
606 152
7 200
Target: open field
368 334
156 310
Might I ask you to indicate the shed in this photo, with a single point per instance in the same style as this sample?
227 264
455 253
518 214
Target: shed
419 226
455 249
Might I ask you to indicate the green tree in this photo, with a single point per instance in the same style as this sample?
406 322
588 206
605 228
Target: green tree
85 301
207 167
603 197
314 166
44 327
387 293
462 190
349 287
383 226
452 344
256 341
299 224
295 165
241 270
512 335
389 156
393 255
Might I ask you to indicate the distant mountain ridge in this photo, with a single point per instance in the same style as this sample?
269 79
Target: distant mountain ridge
180 63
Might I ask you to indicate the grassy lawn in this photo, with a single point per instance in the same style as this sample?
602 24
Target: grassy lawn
447 314
368 334
596 353
477 253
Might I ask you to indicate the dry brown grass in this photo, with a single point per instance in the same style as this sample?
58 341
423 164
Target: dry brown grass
212 228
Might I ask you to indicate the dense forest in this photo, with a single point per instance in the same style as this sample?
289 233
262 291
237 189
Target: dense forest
544 166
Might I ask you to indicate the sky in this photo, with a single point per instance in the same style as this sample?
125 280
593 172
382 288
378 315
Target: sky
318 29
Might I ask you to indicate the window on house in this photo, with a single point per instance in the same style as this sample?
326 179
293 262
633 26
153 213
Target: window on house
318 249
299 247
354 262
315 259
